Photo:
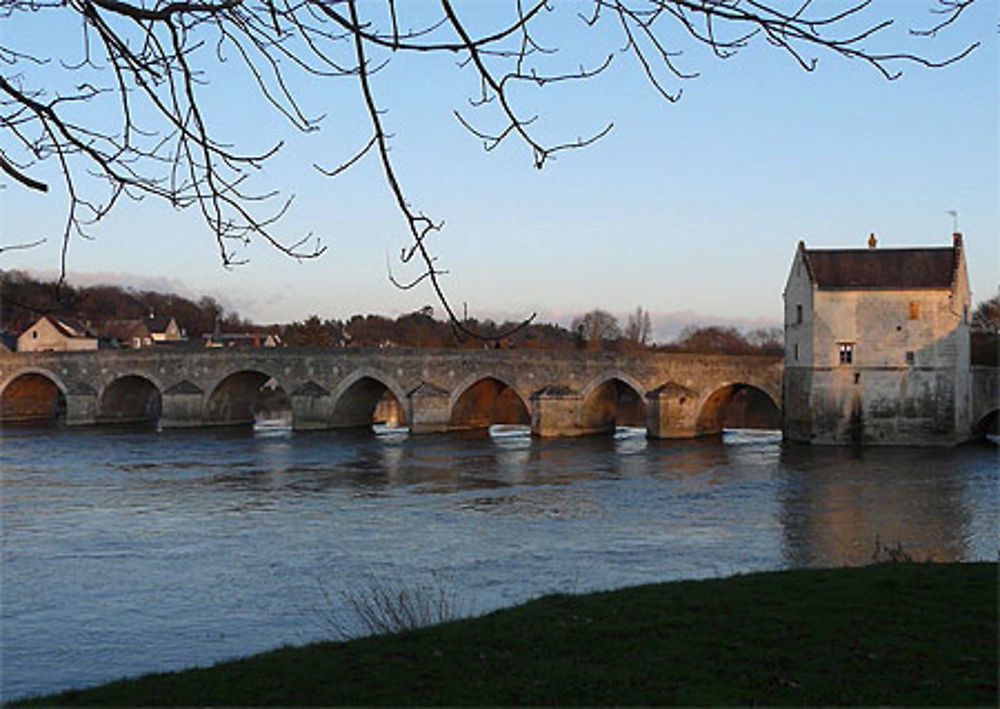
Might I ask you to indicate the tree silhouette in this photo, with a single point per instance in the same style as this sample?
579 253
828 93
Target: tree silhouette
639 327
986 316
595 328
714 338
124 113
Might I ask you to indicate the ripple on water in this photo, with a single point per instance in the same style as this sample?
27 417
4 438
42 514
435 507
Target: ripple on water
132 551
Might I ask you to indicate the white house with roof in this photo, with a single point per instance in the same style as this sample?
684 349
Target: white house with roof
877 346
164 328
55 334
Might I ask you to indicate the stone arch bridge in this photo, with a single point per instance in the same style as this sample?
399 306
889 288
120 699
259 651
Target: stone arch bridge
559 393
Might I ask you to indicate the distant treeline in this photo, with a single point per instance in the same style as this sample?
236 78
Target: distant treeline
986 333
421 329
25 299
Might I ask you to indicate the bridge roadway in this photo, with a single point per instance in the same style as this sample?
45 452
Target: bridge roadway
559 393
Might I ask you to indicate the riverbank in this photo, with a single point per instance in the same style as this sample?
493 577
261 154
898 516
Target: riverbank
896 633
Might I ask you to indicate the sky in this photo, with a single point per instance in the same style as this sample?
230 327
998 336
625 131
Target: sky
692 209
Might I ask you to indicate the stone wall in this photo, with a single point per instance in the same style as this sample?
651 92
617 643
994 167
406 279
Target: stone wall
341 387
798 315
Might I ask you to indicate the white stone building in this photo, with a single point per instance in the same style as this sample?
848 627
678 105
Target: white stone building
877 346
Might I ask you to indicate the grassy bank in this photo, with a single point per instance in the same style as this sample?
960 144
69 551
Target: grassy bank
900 634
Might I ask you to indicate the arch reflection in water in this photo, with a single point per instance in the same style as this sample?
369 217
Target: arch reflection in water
510 435
392 450
630 439
512 451
835 503
278 427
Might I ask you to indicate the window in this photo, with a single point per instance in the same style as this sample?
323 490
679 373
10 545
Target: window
796 351
914 310
798 314
909 357
34 334
846 352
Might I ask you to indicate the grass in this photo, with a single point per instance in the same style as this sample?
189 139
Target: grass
894 633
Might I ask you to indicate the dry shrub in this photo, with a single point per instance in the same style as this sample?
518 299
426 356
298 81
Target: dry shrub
384 605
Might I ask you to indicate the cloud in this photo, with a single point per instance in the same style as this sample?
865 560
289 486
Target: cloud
135 281
158 284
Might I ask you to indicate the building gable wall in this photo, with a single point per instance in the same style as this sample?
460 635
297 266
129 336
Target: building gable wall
170 333
798 300
45 336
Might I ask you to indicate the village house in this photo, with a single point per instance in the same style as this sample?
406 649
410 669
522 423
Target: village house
126 333
164 328
877 346
55 334
141 332
241 339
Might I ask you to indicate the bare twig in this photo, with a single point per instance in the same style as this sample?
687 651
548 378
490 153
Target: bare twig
148 63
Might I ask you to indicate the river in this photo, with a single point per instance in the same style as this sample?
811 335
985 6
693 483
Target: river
127 551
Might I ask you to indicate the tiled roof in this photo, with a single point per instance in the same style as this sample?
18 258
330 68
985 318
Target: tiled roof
124 329
883 268
158 323
69 328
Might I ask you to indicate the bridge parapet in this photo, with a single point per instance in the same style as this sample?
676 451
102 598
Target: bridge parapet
561 392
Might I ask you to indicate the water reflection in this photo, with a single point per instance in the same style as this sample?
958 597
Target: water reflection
185 547
837 502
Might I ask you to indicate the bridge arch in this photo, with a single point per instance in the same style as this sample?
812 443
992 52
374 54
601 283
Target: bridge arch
486 399
613 399
365 395
737 405
240 396
988 425
32 394
130 398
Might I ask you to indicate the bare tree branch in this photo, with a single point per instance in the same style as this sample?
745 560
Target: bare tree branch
17 247
149 63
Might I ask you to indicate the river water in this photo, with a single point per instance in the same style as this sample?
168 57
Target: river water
129 551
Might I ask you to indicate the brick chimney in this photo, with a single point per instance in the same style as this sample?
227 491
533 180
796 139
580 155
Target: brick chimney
956 239
872 241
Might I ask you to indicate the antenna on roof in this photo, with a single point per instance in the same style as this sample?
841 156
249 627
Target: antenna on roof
954 220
